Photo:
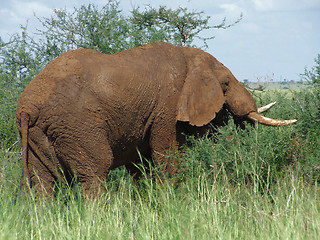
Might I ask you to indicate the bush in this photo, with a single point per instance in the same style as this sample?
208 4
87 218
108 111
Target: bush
8 132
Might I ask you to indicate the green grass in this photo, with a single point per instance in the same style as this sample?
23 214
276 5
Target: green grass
197 209
270 86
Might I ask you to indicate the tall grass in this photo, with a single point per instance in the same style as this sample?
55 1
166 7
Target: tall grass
200 208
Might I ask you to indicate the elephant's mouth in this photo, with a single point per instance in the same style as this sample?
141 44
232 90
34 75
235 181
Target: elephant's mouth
255 116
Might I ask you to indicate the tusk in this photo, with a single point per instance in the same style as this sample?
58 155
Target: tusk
266 107
269 121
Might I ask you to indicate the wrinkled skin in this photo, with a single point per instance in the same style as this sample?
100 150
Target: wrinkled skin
87 112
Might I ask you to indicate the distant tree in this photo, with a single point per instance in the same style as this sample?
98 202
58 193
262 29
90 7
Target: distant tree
313 75
262 83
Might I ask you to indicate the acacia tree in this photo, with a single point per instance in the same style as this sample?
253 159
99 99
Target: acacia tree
179 27
104 30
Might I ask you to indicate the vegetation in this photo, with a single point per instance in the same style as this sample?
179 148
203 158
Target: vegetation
258 183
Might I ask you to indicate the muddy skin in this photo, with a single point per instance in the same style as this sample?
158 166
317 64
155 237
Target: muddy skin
87 112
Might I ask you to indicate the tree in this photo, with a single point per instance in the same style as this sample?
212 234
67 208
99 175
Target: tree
104 30
179 27
309 102
19 63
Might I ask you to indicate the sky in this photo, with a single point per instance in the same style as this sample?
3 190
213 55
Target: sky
276 39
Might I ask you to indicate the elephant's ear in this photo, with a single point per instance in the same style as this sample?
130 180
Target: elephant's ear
201 96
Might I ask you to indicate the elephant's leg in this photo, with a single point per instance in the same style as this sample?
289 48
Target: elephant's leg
93 170
42 163
164 145
41 178
92 185
90 158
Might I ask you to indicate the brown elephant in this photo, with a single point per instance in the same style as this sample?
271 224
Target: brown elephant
87 112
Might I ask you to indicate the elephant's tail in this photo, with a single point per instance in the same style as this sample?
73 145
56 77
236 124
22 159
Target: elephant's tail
24 131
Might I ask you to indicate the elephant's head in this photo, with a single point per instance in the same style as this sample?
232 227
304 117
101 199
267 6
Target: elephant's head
209 86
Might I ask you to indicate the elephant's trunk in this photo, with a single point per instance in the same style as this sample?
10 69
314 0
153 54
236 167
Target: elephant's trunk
241 103
269 121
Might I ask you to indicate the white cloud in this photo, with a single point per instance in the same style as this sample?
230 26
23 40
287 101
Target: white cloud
231 9
18 12
301 5
263 5
25 9
286 5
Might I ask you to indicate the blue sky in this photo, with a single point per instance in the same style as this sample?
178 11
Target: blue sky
276 38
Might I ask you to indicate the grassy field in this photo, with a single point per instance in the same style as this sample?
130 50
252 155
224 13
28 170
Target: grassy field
260 184
200 208
280 85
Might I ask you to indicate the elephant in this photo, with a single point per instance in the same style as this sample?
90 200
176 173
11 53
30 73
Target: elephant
87 113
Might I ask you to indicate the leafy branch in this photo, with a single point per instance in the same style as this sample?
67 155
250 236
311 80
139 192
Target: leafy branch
179 26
